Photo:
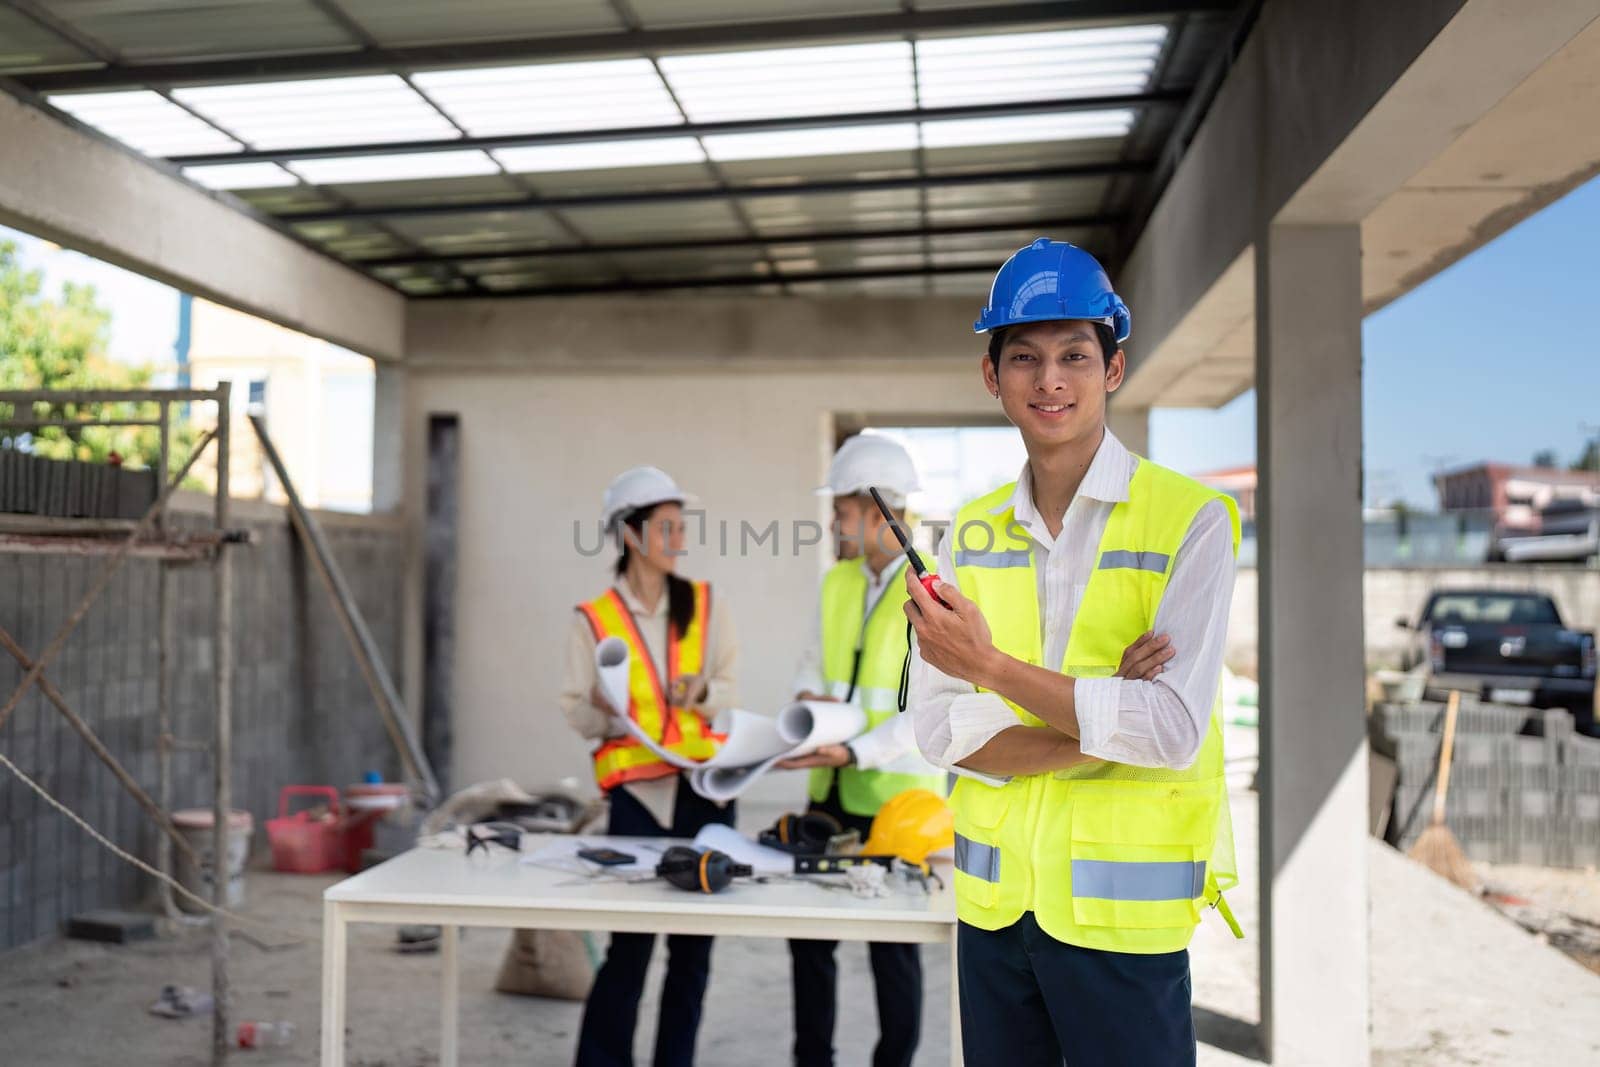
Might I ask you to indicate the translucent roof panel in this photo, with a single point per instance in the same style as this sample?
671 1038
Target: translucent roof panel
659 179
241 176
1037 66
145 121
401 22
286 200
351 239
1022 155
1021 129
818 141
320 111
836 79
183 29
649 222
27 46
897 163
487 233
868 210
601 155
1000 201
472 189
544 97
698 263
654 13
405 167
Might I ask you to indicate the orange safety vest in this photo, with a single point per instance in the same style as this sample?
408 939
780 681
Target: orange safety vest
680 730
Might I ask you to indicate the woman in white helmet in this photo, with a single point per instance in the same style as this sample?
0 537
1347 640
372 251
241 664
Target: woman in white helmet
682 659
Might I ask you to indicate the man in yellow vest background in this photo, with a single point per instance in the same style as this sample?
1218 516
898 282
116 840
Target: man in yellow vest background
1091 813
856 654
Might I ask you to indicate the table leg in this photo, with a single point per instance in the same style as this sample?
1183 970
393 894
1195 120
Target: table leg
333 985
955 1003
449 1002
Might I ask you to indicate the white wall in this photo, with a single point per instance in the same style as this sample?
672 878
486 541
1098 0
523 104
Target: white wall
538 448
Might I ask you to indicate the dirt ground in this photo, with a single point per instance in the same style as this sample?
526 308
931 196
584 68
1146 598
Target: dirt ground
1452 982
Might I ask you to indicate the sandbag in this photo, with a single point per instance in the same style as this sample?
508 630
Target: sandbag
547 963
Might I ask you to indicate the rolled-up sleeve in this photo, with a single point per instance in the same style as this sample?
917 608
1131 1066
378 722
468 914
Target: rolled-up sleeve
578 681
1162 723
950 718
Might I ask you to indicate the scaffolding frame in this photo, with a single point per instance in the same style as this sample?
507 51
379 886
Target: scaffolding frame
99 537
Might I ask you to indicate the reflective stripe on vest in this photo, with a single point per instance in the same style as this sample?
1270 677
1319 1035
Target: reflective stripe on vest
874 679
1106 855
1111 880
977 859
994 560
625 759
1139 561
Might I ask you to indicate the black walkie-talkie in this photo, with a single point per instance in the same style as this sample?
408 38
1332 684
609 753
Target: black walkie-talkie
917 566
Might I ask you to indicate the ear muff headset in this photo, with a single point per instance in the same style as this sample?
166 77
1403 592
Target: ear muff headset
807 834
700 872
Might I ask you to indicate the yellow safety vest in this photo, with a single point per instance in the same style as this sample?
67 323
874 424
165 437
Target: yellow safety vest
1106 855
862 660
626 759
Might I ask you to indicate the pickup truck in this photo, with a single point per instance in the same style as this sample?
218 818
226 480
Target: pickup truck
1508 647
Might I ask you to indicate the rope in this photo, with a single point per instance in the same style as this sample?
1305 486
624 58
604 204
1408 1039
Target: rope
128 857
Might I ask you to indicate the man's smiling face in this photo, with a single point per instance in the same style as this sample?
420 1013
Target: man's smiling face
1052 379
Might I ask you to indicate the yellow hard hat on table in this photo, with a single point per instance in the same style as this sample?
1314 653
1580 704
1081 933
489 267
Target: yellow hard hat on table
911 825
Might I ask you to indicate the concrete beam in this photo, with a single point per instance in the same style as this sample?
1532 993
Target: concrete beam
585 334
1313 844
72 187
1329 112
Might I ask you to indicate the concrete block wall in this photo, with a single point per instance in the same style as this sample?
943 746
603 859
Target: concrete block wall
302 713
1524 788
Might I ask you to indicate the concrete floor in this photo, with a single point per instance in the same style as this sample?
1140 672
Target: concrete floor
1453 983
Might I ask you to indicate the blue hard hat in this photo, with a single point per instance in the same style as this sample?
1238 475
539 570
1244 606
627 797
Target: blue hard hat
1053 280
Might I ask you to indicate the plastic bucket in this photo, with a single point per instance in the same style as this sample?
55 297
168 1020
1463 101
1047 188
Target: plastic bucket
364 805
304 843
195 824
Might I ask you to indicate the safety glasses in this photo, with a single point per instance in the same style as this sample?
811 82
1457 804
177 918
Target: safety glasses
482 835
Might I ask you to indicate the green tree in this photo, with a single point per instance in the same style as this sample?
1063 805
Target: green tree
1546 457
1590 459
60 343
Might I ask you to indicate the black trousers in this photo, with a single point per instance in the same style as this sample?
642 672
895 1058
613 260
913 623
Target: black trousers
896 977
612 1012
1028 1000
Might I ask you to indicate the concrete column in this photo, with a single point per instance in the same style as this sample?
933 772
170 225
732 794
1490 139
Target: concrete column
1313 847
389 415
1131 425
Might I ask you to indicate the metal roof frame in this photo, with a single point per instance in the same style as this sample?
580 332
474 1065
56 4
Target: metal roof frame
369 60
368 55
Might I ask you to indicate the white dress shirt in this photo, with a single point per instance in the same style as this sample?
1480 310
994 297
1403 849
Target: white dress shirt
891 742
1159 723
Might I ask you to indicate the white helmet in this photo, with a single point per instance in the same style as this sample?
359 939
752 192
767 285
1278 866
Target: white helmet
637 488
870 460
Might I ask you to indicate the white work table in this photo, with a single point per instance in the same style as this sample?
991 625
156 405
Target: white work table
447 888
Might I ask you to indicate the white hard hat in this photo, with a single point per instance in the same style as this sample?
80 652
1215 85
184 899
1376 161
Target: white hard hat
870 460
637 488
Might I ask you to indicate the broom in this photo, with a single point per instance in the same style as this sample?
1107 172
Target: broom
1437 848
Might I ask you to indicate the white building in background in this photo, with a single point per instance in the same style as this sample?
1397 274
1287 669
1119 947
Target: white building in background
316 398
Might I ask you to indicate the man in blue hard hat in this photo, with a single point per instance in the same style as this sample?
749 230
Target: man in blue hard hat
1091 814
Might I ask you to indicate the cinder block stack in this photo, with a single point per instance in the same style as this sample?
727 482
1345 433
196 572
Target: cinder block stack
1524 787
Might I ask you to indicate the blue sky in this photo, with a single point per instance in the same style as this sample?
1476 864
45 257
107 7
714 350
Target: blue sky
1495 358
